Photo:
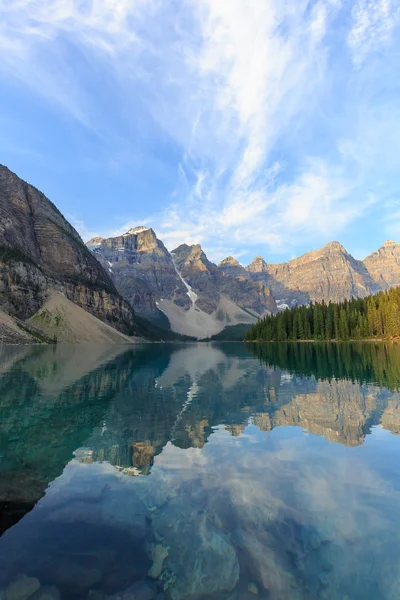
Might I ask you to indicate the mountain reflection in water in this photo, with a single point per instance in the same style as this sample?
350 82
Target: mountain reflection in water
188 471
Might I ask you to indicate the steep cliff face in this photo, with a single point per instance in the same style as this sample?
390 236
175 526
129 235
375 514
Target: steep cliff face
40 250
142 269
329 274
200 274
238 284
266 274
197 297
384 265
229 279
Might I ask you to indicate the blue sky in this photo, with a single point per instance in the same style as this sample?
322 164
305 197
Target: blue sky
250 126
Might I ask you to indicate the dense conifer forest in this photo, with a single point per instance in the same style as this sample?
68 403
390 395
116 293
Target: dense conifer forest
360 318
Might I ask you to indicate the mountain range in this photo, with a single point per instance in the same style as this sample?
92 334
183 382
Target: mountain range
133 284
200 298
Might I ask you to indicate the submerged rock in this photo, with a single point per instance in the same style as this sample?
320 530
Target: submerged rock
160 553
95 595
74 576
22 588
49 592
140 590
314 542
253 589
200 559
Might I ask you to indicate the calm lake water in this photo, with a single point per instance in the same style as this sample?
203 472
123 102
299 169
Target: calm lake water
192 471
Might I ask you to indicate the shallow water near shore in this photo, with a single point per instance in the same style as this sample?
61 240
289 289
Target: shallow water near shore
201 471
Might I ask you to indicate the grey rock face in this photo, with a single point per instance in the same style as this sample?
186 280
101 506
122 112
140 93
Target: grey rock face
145 273
384 265
40 250
267 274
327 274
229 278
238 284
142 269
200 273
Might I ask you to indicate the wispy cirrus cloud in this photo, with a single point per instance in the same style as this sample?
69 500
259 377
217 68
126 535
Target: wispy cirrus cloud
250 110
314 203
108 25
263 65
267 68
36 39
374 23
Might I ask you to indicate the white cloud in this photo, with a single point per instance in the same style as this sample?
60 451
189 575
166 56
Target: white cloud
262 65
35 38
234 87
374 22
314 204
261 62
391 220
315 201
106 24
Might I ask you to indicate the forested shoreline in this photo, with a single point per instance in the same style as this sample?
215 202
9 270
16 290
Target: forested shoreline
368 363
373 317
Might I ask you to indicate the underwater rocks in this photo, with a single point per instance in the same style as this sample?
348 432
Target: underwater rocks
140 590
159 554
49 592
22 588
28 588
200 560
253 588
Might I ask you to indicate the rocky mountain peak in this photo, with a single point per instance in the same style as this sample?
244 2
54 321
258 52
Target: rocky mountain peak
181 248
384 265
95 242
390 244
136 240
229 260
257 265
136 230
190 254
334 247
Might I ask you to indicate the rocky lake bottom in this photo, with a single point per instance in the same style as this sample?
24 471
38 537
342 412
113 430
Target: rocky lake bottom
183 472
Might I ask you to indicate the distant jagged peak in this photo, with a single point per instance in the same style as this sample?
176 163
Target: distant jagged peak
192 257
257 264
186 251
230 260
180 248
334 247
388 249
95 241
136 230
258 258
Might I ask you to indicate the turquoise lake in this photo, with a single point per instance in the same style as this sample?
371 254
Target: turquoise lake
182 472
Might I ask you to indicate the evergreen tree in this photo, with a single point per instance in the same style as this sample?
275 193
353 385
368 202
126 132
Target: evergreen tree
372 317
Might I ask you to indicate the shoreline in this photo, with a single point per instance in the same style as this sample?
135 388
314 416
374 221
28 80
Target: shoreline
386 340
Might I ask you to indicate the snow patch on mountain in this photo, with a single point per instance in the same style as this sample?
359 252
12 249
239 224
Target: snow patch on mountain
192 295
135 230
